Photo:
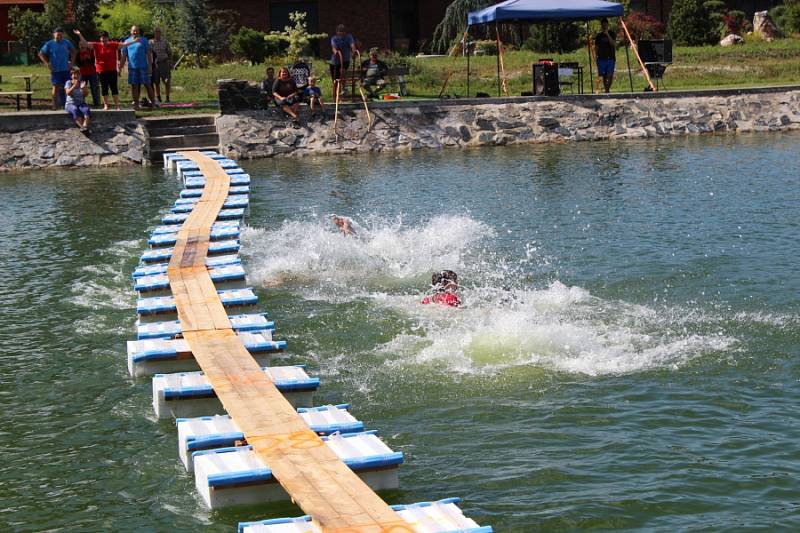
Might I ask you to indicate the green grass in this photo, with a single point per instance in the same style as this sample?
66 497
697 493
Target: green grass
751 64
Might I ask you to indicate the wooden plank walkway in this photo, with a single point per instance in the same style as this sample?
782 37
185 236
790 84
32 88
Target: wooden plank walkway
316 479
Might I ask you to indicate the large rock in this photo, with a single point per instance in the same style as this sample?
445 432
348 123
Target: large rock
731 39
764 26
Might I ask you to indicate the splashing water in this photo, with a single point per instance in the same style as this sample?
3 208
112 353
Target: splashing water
504 323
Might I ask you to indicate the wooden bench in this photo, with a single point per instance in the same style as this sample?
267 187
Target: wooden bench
397 74
17 95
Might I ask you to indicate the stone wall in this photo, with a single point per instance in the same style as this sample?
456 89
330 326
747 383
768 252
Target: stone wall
50 139
255 133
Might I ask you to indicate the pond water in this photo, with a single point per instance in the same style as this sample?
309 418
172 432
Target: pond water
627 357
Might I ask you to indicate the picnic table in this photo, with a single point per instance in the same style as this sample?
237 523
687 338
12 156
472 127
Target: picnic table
29 79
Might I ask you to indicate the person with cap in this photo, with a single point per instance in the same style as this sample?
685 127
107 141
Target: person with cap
444 285
59 55
605 47
373 71
343 47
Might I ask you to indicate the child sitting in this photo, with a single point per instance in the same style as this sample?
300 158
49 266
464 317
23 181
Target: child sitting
444 285
313 95
76 104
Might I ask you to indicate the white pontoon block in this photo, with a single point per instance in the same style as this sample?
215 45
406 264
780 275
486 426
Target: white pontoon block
198 192
224 214
159 308
169 239
188 165
237 476
153 269
196 173
196 180
160 356
186 205
221 431
160 255
175 228
223 277
442 516
172 328
189 394
171 158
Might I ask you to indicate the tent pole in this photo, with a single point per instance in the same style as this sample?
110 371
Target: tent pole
628 58
589 50
466 52
502 64
497 30
636 53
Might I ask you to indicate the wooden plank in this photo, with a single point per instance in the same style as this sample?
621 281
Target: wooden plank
321 484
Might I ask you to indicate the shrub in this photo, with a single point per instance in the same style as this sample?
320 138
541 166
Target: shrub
117 18
297 36
734 22
787 16
644 26
249 44
486 48
690 24
558 37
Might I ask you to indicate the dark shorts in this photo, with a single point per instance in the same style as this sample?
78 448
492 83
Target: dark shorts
161 72
59 78
138 76
108 81
78 111
605 67
289 100
336 70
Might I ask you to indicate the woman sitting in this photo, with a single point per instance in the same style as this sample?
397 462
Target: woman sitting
284 91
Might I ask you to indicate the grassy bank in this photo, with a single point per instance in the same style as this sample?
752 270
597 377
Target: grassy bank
751 64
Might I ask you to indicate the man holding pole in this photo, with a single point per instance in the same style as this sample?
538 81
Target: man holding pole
605 46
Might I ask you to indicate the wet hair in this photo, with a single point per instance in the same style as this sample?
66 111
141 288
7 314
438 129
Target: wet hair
440 279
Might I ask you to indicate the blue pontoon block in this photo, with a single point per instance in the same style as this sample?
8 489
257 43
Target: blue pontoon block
225 214
199 181
186 205
166 304
161 268
170 328
198 173
160 282
197 193
175 228
160 255
169 239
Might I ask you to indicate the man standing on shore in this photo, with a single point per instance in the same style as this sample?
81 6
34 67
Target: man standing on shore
162 70
342 45
605 48
59 55
137 54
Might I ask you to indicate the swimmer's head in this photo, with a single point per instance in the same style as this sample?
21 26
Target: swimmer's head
444 281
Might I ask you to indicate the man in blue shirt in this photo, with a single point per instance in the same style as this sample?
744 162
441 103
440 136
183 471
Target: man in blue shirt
59 55
140 64
342 45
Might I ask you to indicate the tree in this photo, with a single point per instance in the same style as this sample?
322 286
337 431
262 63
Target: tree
249 44
296 37
787 16
29 27
117 18
554 37
690 24
84 12
192 28
454 22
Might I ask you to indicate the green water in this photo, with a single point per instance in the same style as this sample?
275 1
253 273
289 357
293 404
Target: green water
627 357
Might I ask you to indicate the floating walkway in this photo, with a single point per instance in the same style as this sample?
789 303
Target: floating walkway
248 431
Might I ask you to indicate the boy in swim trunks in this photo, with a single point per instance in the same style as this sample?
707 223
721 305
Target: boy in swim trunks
445 287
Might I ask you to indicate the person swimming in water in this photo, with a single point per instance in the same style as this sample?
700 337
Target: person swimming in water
345 225
444 285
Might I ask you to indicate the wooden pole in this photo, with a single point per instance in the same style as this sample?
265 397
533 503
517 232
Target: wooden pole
336 86
636 53
502 64
497 29
630 74
366 107
589 50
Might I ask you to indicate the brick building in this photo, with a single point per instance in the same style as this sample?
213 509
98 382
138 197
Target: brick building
401 25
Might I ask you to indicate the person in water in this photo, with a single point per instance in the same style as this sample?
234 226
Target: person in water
444 285
344 224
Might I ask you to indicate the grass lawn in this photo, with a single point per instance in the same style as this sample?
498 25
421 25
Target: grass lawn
747 65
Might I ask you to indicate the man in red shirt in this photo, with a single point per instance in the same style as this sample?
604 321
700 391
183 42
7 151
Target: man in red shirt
106 63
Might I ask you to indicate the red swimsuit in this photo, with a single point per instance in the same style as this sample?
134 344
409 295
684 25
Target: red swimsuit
443 298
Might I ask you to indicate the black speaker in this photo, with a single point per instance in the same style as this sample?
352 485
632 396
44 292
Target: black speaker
545 79
655 51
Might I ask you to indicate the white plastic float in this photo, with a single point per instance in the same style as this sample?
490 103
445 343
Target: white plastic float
159 356
189 394
161 268
175 228
171 158
223 277
228 477
171 328
161 240
158 308
443 516
196 180
221 431
159 255
198 192
224 214
186 205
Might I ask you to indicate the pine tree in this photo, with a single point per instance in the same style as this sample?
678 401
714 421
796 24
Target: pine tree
690 24
192 28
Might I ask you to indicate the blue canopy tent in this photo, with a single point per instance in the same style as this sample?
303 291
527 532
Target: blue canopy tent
515 11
